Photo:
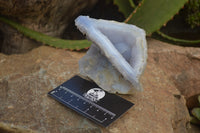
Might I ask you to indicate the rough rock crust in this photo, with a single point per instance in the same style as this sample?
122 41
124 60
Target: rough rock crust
26 79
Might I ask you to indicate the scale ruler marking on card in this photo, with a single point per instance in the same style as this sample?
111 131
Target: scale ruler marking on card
89 100
74 96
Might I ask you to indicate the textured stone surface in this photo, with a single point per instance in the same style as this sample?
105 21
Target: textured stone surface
179 64
9 128
47 16
11 41
26 79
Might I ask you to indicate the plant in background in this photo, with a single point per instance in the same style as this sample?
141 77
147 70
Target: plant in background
193 13
195 118
126 6
48 40
150 15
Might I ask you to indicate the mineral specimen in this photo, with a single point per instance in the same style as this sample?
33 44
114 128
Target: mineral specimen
117 57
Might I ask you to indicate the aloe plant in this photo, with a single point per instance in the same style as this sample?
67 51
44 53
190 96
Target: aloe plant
125 6
51 41
179 41
150 15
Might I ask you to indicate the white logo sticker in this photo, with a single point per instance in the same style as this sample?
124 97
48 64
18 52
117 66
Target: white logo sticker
94 94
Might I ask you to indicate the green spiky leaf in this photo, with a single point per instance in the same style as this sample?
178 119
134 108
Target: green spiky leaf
125 6
52 41
152 14
181 42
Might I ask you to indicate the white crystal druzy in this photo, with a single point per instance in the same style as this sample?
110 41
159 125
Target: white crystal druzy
117 57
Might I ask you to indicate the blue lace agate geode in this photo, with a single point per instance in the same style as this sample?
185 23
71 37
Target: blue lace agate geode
117 57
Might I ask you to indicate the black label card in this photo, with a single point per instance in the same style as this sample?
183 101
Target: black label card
89 100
